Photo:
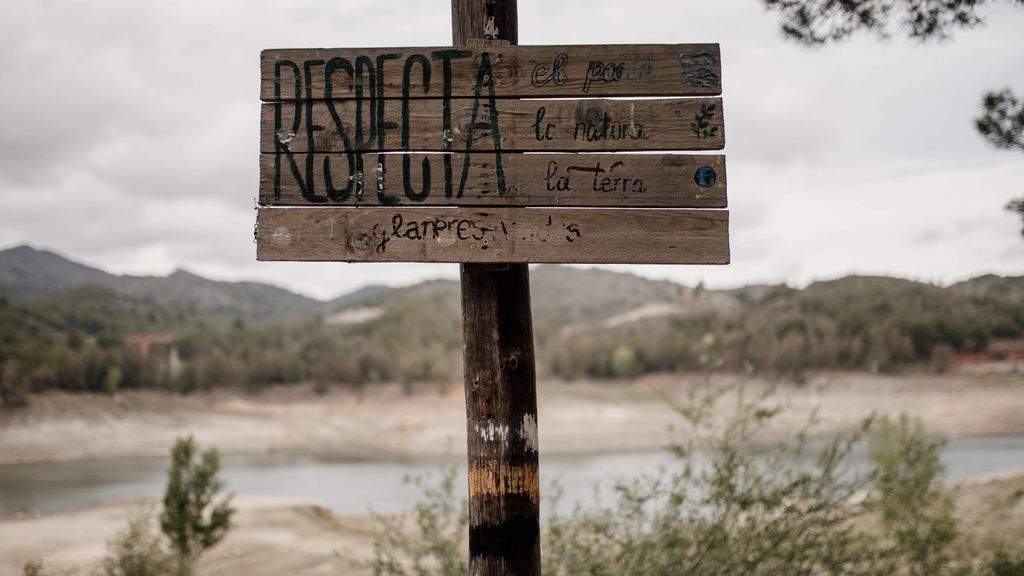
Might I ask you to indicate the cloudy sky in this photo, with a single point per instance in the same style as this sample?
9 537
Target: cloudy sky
129 135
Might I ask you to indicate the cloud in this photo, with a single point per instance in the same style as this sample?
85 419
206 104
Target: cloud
128 134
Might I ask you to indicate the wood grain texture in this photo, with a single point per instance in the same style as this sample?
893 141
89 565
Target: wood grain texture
613 180
512 71
469 20
501 424
592 236
500 380
690 124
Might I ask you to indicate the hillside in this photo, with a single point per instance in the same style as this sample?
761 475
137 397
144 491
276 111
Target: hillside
65 325
27 273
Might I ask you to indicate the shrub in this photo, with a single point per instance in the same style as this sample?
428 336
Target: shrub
728 509
1004 563
138 551
438 528
191 520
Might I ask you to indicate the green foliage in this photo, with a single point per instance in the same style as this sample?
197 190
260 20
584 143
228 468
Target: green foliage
733 507
1002 120
33 568
874 324
1001 124
1017 207
138 551
437 525
1004 563
816 22
916 513
725 509
191 519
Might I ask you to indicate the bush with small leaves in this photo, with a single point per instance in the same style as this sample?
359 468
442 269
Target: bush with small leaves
138 551
728 508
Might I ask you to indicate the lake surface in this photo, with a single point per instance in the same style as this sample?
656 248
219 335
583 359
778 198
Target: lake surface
353 487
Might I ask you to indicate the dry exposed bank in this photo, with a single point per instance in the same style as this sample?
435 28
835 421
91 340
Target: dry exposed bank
392 421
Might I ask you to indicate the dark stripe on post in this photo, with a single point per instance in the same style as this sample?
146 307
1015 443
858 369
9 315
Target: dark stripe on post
505 540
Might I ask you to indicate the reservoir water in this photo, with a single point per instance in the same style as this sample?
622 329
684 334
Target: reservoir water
355 487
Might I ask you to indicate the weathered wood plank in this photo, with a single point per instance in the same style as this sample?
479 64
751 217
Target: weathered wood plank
595 236
623 180
512 71
511 125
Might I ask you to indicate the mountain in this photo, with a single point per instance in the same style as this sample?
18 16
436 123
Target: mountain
69 326
565 300
1008 287
27 273
574 295
564 296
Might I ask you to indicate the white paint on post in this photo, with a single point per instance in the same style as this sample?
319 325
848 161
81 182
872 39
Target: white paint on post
492 432
528 432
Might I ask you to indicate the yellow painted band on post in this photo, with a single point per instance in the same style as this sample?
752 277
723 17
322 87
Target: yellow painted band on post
495 479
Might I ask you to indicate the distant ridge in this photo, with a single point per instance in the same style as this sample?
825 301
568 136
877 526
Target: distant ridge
561 296
28 273
61 324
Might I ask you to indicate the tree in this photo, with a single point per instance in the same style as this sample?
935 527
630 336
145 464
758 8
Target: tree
1002 125
817 22
191 520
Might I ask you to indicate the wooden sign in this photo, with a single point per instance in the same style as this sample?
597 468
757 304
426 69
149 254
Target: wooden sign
507 71
613 180
509 125
360 144
582 236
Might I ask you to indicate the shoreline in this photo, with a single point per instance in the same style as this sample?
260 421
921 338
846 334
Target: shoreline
395 423
422 423
281 535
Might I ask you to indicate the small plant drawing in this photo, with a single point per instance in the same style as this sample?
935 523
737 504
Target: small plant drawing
701 122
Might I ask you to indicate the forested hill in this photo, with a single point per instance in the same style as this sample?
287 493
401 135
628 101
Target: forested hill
65 325
27 273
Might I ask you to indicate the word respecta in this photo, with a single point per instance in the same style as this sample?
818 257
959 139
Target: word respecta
365 80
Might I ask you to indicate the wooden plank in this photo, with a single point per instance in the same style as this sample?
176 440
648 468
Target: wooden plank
594 236
511 71
622 180
517 125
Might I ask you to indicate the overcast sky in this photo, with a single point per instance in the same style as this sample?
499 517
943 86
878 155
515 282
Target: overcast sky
129 135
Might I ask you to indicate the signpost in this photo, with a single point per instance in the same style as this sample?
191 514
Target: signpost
494 155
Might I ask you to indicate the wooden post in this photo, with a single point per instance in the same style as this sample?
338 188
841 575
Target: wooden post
500 377
470 21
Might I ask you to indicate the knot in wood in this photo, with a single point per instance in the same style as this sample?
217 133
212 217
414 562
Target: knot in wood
510 362
591 112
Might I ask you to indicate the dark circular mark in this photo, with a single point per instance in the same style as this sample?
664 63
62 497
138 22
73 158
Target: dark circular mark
590 111
705 177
